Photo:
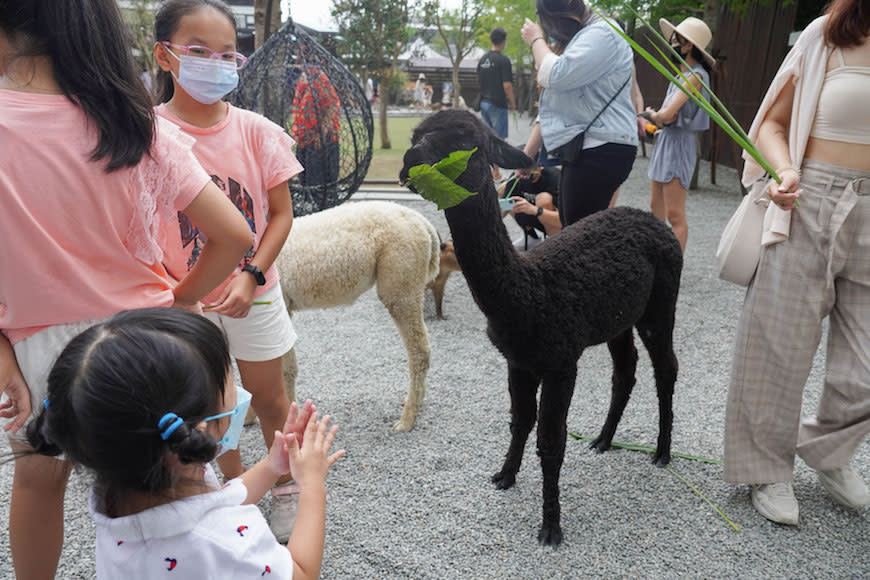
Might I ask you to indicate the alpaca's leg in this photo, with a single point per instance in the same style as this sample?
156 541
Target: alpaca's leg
523 387
624 357
658 341
290 371
407 313
556 395
437 287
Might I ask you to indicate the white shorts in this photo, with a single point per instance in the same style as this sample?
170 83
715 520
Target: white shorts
266 333
36 355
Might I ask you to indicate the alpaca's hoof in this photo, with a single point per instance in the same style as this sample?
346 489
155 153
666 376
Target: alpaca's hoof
504 480
403 425
600 445
250 418
550 534
661 458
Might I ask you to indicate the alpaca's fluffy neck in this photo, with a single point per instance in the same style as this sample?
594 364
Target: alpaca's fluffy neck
484 250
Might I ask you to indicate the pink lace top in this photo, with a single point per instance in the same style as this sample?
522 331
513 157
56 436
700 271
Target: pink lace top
80 243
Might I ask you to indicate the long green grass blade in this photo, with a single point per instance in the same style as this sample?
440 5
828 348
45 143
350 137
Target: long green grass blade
737 134
705 498
715 98
721 106
649 450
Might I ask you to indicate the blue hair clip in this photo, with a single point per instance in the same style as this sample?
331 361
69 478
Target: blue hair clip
169 429
45 403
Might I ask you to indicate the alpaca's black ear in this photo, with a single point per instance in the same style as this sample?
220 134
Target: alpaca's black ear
507 156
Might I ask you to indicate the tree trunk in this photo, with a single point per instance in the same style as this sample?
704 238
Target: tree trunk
711 16
260 9
385 137
457 88
384 94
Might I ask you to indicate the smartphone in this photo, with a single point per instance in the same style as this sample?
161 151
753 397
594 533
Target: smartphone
506 204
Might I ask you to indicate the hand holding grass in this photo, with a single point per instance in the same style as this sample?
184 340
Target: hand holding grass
786 193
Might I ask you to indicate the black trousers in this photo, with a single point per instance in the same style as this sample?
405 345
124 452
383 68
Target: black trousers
588 185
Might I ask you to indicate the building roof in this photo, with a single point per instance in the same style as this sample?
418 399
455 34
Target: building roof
421 55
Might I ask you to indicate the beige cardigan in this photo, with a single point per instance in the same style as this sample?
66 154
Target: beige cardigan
805 66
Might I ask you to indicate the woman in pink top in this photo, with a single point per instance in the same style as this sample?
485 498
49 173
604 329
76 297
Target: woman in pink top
251 159
814 127
86 178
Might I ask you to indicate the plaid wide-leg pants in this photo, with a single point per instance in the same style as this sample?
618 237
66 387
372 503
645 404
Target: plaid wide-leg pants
823 269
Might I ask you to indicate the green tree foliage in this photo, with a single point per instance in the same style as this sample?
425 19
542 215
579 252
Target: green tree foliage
374 33
458 31
510 15
139 17
673 10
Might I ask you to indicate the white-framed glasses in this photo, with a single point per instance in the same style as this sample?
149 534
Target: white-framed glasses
195 50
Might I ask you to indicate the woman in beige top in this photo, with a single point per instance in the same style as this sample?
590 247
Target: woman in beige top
814 128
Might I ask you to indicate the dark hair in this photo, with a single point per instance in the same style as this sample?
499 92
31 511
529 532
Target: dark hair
166 23
699 56
113 383
848 22
89 47
497 36
561 19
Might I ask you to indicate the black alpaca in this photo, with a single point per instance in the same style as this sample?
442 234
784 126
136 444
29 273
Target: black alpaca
591 283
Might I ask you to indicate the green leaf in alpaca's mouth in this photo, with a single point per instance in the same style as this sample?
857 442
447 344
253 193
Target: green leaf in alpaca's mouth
436 182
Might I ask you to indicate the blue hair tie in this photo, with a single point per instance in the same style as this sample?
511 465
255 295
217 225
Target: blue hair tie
170 429
45 403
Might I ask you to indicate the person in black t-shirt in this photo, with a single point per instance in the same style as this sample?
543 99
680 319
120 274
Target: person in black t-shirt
496 84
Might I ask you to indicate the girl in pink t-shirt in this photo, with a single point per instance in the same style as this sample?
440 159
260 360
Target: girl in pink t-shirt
251 159
86 177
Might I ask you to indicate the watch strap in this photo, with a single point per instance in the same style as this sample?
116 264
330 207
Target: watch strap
256 273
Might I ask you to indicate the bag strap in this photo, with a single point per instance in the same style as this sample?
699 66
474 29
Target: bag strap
608 103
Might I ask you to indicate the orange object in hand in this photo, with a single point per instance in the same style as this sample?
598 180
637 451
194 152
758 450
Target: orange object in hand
651 129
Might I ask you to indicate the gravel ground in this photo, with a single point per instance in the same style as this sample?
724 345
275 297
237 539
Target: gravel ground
420 504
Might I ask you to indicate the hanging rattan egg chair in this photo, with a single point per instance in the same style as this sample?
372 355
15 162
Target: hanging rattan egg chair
298 84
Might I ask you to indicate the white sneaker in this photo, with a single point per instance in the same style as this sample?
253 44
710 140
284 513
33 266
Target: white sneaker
284 501
846 487
776 502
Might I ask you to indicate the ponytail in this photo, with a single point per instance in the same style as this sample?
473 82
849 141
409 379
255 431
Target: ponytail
37 439
89 47
191 445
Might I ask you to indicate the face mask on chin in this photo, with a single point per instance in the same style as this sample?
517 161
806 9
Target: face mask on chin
206 80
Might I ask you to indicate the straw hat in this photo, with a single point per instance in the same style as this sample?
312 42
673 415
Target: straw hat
694 30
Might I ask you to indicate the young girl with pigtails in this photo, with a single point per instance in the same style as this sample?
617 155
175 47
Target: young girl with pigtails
144 401
251 159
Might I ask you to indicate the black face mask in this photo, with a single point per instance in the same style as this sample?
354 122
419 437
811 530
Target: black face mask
679 50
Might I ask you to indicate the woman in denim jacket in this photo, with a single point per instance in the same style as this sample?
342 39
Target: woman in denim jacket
587 89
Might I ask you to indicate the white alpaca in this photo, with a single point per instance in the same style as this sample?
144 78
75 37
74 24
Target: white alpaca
333 256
